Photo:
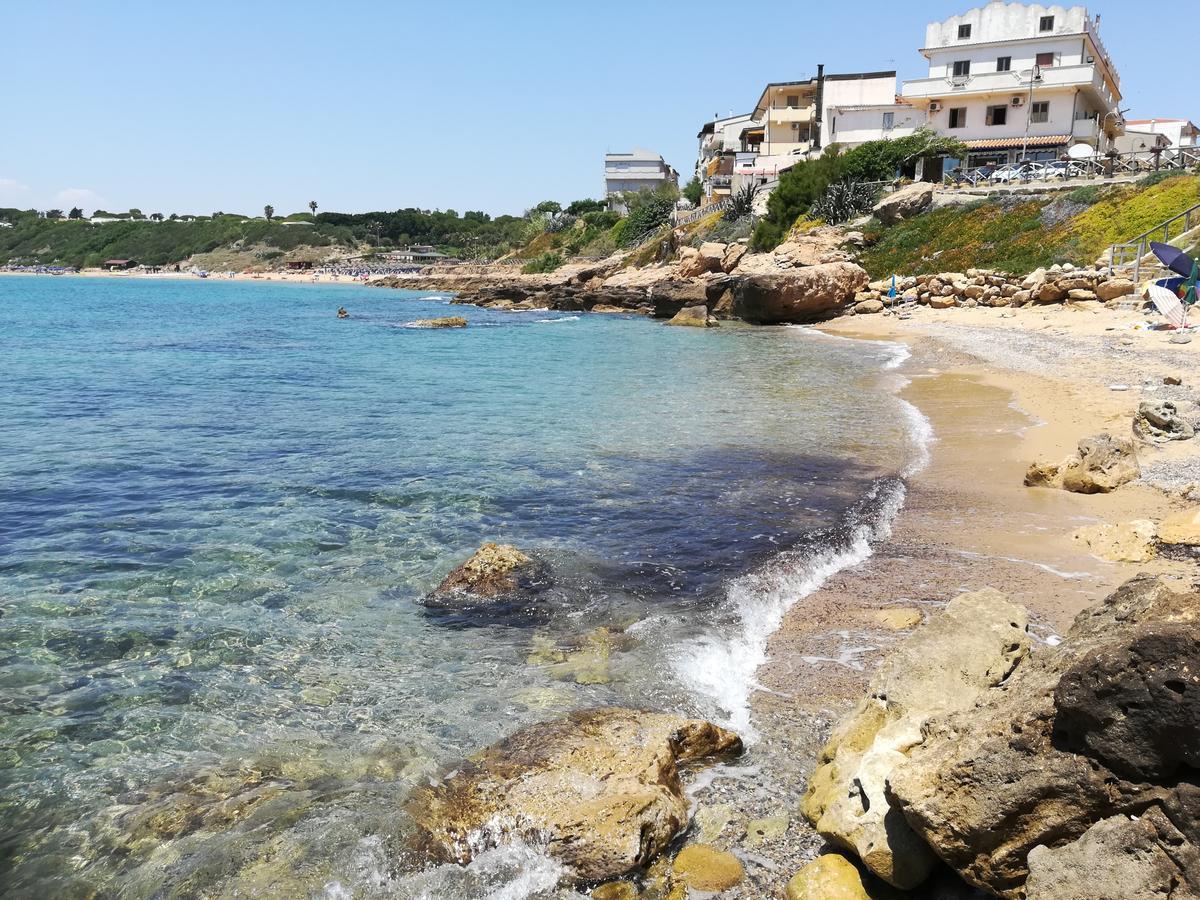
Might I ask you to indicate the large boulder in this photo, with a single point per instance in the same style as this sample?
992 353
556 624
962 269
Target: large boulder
807 294
708 258
733 256
1029 766
1180 529
828 877
963 652
672 295
1103 464
904 203
599 789
495 575
1115 288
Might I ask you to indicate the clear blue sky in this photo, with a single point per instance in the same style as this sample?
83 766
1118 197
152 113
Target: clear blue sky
200 106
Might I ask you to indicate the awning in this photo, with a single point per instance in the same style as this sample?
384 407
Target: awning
752 130
1045 140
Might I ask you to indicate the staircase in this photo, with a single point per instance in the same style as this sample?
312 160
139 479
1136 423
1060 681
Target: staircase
1136 253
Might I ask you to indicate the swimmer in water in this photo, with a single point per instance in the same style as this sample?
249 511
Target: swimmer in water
342 314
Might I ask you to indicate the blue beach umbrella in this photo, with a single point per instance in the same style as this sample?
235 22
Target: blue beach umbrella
1173 258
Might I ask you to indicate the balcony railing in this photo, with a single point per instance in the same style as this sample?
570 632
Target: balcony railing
1006 82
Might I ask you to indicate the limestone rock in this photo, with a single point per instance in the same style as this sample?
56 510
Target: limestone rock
897 618
1043 474
705 868
989 784
695 316
615 890
1115 288
868 307
495 573
706 259
964 651
733 256
1119 858
1160 421
444 322
1124 542
1104 463
904 203
672 295
1134 702
599 789
809 294
829 877
942 302
1181 528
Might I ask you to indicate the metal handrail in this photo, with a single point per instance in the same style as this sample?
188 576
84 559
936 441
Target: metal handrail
1118 254
696 215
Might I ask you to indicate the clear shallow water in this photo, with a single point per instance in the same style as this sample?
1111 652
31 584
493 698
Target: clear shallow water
219 504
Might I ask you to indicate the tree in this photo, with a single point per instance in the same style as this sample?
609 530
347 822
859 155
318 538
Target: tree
135 213
75 213
548 208
174 216
583 207
269 211
693 190
157 217
54 214
312 205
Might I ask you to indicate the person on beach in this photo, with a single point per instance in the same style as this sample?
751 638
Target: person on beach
342 314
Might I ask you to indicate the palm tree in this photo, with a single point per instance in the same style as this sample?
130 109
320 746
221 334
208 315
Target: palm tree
312 204
268 211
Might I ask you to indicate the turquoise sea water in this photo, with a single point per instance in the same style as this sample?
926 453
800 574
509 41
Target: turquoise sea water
219 505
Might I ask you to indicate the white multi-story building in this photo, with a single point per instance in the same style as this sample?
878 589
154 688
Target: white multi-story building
720 140
1180 132
641 170
1016 81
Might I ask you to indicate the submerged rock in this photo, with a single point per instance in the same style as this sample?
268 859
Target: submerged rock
828 877
695 316
496 575
705 868
1065 743
444 322
964 651
600 790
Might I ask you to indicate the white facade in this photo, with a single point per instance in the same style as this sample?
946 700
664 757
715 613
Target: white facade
850 126
1180 132
636 171
719 140
1011 78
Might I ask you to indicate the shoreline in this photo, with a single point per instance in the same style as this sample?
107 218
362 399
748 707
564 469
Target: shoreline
967 522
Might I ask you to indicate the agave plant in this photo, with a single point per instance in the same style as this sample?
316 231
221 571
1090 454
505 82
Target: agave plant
741 204
843 201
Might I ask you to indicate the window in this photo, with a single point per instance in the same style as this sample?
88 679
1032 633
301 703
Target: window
964 32
997 115
1046 23
1045 60
889 121
962 68
792 101
1039 111
958 117
1003 63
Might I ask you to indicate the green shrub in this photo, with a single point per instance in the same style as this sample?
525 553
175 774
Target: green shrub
547 262
1088 194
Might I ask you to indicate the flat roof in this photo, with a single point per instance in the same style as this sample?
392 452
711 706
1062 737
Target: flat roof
845 76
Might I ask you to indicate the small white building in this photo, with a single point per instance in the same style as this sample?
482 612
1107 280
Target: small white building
641 170
720 141
852 125
1180 132
1013 81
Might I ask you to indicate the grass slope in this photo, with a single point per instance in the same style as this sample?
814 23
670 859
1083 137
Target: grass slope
1017 235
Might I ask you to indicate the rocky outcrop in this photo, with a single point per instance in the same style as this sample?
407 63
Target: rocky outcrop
669 297
444 322
495 574
904 203
600 790
1103 464
1068 742
695 262
808 294
694 316
1123 542
969 648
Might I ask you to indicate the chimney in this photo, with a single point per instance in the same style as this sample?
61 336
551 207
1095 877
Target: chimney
819 115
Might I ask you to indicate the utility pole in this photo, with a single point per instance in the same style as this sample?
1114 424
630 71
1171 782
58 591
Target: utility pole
1035 77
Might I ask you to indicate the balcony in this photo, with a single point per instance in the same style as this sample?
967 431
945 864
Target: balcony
777 115
1087 76
1087 130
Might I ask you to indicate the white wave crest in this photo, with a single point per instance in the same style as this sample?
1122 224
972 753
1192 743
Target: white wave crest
723 666
561 319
